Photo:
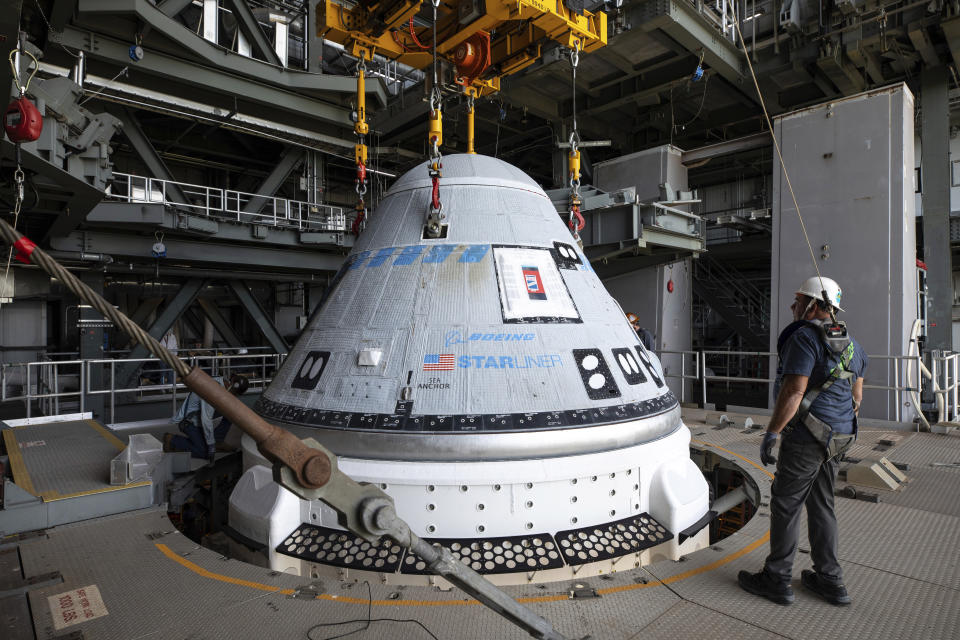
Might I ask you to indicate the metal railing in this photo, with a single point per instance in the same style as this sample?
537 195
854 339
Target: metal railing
52 382
946 371
683 376
227 204
47 382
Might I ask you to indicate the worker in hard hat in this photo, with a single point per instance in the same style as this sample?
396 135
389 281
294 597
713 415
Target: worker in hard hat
819 387
646 338
196 421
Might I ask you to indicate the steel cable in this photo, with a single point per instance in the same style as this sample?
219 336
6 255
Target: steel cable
783 166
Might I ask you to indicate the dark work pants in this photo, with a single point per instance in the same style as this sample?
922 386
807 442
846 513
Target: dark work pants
804 477
194 441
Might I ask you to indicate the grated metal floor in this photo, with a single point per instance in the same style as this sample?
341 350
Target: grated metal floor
900 558
61 459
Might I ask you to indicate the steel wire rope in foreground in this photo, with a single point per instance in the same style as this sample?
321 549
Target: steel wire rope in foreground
306 467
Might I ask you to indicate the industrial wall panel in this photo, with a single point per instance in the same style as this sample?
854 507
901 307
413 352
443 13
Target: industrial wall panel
851 166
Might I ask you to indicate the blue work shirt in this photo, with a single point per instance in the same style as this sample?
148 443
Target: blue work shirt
200 414
802 352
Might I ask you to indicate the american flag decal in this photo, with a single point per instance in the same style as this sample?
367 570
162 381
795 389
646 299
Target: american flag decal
438 362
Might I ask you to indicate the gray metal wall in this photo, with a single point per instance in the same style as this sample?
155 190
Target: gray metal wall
646 170
667 315
644 292
851 164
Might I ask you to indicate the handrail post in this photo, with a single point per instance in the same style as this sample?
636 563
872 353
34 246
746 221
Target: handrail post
29 386
683 377
174 399
897 392
956 381
83 377
703 376
113 388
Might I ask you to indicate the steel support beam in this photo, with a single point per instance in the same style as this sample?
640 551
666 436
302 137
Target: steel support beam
80 198
259 316
920 40
219 322
207 253
195 75
252 31
951 30
935 188
216 56
682 22
143 311
289 159
173 8
141 216
176 306
313 41
738 145
193 320
144 148
869 61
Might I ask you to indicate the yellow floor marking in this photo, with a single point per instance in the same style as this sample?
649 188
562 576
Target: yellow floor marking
448 603
22 477
737 455
20 474
693 572
51 496
107 434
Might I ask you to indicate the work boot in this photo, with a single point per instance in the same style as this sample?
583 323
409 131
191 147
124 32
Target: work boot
761 584
832 593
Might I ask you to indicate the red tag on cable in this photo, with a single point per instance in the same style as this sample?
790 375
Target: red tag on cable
24 247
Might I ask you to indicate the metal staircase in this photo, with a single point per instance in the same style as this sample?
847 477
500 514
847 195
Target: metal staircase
740 303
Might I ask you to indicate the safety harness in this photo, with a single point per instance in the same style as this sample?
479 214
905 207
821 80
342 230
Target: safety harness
838 344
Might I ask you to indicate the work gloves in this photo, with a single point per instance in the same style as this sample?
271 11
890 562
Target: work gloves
766 449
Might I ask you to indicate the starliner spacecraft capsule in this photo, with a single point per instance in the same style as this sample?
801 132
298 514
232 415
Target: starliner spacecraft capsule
487 381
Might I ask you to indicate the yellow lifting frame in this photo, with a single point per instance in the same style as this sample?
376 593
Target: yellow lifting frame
548 19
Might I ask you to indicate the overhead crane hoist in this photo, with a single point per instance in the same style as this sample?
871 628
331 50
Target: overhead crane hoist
483 39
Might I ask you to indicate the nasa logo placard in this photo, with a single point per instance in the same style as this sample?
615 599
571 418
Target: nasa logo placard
531 278
309 373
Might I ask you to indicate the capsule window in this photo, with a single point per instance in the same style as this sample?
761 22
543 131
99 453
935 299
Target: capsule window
648 365
629 365
597 378
566 256
310 371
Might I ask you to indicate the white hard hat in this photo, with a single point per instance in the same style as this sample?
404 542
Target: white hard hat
815 286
